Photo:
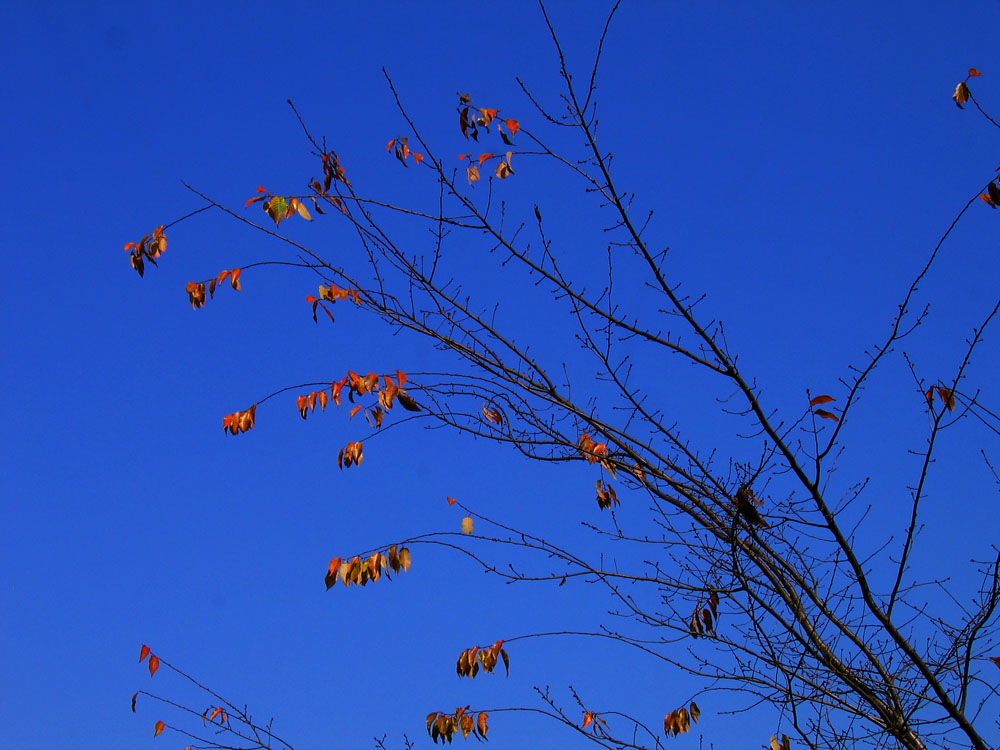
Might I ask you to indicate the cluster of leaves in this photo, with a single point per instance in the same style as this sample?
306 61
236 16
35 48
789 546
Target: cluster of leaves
471 119
154 664
332 294
239 421
212 714
402 151
196 289
150 247
746 506
705 616
595 452
486 656
279 208
962 93
823 413
350 455
606 495
360 572
679 720
332 172
503 169
946 395
442 726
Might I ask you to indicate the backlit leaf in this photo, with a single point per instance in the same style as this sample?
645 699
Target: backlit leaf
961 95
404 559
472 173
143 652
158 727
467 525
154 664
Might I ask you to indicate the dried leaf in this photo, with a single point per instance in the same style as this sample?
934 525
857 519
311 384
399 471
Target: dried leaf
947 397
588 719
821 400
823 413
301 209
484 157
481 724
134 696
467 525
158 727
408 403
472 173
404 559
961 95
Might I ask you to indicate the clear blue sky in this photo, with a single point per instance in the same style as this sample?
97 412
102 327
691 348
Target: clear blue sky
801 158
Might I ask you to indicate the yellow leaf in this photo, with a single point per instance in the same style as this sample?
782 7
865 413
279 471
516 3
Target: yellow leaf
467 525
301 208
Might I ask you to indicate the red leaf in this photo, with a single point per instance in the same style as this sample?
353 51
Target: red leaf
484 157
154 664
253 200
389 147
974 73
143 652
995 660
827 415
451 500
158 727
512 126
310 299
821 400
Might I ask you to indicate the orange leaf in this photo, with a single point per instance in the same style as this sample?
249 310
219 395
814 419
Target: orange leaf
512 126
389 147
588 718
481 723
451 500
234 278
484 157
143 652
418 157
354 411
974 73
472 173
827 415
159 727
154 664
946 396
253 200
821 400
504 170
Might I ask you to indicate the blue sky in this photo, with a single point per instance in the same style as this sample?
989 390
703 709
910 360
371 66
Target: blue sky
801 160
